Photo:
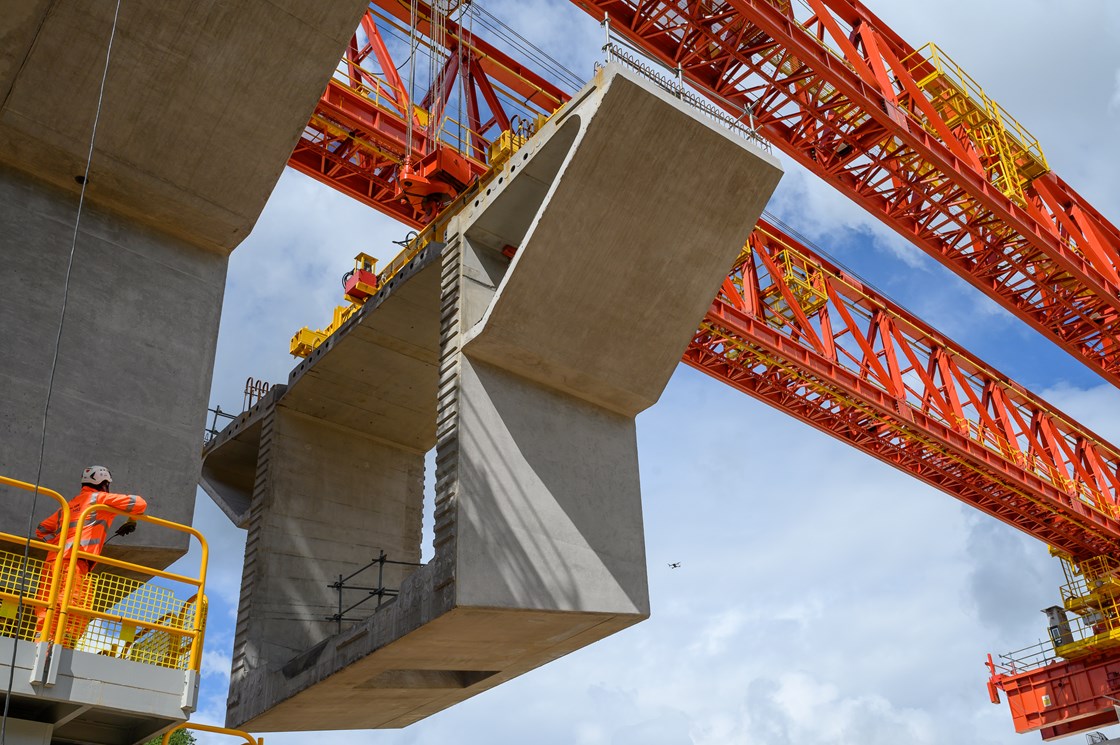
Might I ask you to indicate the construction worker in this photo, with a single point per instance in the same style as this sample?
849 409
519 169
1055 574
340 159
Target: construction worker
90 537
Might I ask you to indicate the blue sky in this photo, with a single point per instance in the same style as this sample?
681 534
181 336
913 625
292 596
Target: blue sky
822 596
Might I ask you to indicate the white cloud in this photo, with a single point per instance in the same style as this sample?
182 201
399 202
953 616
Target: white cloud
717 632
1095 408
216 664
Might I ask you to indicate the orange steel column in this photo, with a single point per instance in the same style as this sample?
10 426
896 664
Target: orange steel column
834 88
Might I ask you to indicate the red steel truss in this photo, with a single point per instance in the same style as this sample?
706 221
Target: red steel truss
912 139
358 138
797 332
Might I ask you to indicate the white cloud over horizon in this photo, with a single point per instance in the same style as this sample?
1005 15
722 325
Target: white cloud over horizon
822 596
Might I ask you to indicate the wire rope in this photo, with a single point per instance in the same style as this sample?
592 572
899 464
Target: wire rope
542 56
414 13
54 368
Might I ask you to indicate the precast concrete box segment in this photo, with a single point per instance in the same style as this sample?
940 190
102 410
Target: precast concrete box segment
641 224
536 374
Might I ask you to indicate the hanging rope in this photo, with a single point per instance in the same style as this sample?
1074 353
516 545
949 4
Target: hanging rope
437 105
499 28
414 14
50 379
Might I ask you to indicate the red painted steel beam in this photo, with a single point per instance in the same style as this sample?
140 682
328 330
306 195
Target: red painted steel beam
1063 698
800 334
818 83
357 140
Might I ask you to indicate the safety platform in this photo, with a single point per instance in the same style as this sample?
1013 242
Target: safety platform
520 346
108 657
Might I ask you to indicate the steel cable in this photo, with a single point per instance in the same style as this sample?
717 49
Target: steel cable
50 379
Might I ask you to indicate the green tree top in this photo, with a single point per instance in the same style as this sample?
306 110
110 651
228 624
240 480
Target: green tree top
179 737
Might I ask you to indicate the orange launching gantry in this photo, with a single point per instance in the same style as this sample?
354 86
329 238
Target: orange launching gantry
792 329
912 138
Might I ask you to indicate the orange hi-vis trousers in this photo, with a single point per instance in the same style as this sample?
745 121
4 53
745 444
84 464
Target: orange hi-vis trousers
75 624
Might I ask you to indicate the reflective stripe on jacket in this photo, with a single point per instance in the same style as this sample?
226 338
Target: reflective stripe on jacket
94 533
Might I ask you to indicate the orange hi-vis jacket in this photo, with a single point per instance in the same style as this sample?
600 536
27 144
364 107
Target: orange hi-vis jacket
93 534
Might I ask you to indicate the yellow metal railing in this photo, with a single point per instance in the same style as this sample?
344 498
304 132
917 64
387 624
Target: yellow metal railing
58 599
28 599
215 730
1015 155
133 619
1092 593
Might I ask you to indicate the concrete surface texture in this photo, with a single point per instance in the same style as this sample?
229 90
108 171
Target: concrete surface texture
541 366
203 103
327 472
134 359
194 132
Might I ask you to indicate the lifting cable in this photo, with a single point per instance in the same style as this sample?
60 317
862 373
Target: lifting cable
502 30
413 43
50 384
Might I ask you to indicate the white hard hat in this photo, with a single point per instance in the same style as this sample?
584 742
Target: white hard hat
94 475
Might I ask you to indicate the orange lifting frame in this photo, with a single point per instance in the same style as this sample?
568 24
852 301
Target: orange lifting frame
357 142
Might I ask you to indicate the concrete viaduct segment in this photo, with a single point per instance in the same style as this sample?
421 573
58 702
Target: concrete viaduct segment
525 375
202 106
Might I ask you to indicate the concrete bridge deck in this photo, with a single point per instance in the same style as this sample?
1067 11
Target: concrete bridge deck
525 376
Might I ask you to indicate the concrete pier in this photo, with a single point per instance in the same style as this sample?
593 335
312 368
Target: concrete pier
193 135
625 213
202 105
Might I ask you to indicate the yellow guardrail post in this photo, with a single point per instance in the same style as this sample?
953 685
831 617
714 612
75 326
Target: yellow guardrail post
50 601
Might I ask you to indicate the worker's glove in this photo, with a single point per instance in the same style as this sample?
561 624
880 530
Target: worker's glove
127 528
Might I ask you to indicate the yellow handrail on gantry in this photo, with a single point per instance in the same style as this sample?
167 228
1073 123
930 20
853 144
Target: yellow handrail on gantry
68 607
7 561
